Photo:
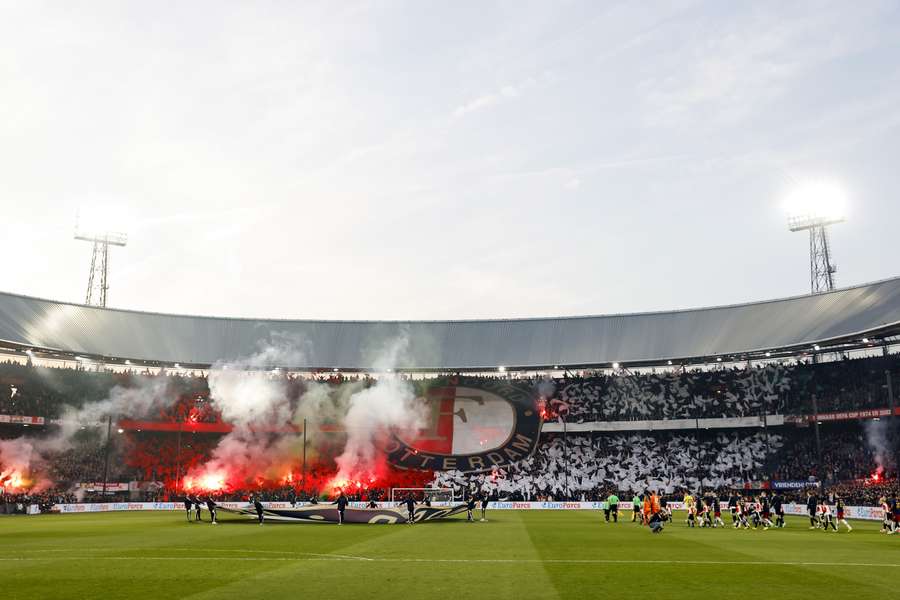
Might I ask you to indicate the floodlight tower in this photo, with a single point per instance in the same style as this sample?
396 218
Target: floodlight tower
98 278
814 209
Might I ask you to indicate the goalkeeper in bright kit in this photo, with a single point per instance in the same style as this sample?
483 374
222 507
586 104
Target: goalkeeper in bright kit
690 508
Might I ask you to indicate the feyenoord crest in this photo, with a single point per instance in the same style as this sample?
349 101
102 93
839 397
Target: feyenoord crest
474 426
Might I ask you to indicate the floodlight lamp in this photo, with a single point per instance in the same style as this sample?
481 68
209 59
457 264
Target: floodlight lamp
501 369
615 366
101 224
816 204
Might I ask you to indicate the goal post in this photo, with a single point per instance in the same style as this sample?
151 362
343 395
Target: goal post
420 494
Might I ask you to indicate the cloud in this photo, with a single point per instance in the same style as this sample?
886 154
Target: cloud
502 94
727 75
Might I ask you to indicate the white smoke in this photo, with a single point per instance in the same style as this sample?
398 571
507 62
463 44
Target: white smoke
19 462
257 403
138 401
30 457
375 413
877 440
389 406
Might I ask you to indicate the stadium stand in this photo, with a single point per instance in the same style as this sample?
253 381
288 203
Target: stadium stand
573 466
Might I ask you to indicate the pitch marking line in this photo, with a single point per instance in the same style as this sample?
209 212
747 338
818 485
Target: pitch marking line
343 557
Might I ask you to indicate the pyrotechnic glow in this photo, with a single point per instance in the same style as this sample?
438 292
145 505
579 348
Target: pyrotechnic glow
13 481
211 482
345 484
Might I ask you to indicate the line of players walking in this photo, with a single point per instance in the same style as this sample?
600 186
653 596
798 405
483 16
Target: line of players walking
747 512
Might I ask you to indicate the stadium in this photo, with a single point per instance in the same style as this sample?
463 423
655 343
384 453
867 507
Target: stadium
125 414
508 300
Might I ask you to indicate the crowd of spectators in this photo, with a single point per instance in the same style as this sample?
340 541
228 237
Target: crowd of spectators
774 388
849 451
583 465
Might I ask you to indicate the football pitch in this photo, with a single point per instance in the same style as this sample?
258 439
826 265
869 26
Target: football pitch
517 554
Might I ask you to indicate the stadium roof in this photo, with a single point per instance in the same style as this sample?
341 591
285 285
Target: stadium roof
785 326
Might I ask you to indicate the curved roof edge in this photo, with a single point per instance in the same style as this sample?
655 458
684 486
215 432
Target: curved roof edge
487 320
536 342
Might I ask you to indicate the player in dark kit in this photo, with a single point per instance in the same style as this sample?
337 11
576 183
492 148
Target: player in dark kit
710 501
259 509
717 512
765 510
733 506
470 506
812 505
211 507
896 504
341 503
410 509
485 498
778 508
198 506
187 507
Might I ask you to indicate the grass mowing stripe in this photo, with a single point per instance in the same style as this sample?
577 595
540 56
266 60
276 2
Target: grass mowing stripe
574 561
526 555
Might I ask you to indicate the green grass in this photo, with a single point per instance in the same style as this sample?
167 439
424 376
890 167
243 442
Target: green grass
537 554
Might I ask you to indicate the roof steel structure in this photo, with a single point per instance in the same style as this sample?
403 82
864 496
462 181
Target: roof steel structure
739 331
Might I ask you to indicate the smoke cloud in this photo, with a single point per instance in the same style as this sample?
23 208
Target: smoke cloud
24 461
267 438
877 434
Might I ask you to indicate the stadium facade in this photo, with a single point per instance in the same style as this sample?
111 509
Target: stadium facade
839 320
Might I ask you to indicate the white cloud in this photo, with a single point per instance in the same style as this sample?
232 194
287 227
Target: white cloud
502 94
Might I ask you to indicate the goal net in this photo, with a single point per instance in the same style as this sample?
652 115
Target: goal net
422 494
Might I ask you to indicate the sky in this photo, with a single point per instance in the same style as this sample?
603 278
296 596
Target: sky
432 160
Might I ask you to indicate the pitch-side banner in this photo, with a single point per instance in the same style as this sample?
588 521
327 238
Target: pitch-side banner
853 512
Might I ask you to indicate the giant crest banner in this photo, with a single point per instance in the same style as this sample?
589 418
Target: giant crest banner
473 426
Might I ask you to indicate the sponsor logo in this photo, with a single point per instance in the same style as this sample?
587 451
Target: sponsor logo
472 427
791 485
